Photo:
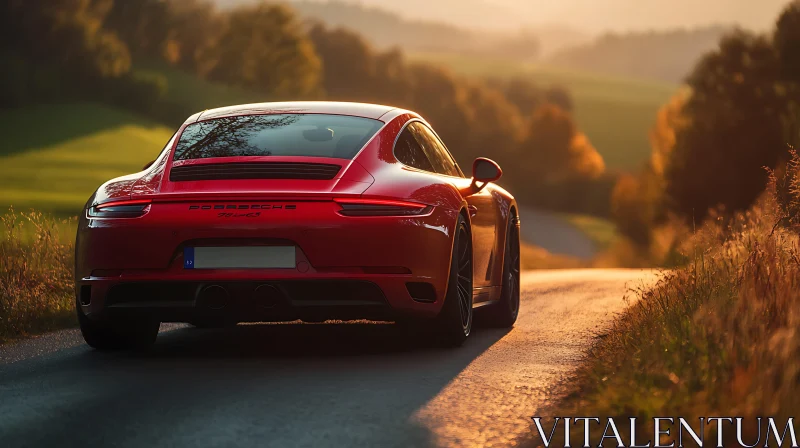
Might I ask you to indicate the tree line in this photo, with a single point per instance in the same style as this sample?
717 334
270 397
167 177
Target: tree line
88 49
713 142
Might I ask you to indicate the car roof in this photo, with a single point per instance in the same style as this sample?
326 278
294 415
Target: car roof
374 111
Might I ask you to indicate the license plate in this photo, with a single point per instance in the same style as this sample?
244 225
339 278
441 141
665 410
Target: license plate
251 257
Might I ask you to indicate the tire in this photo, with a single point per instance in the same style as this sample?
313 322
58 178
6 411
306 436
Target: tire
504 313
454 323
135 334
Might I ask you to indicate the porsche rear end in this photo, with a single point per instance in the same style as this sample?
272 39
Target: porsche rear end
258 237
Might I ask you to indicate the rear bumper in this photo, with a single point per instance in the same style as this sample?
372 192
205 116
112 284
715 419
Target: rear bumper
143 258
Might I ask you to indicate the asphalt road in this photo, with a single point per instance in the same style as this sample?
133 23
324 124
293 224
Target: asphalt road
308 385
548 231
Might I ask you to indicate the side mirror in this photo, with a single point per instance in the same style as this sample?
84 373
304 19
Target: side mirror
485 170
148 165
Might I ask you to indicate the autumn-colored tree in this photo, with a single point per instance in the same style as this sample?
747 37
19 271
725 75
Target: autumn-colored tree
637 204
264 48
495 125
555 151
669 121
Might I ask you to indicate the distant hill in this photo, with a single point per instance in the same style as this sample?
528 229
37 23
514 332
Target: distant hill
590 16
386 28
667 55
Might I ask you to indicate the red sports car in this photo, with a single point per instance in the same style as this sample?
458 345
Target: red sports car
302 210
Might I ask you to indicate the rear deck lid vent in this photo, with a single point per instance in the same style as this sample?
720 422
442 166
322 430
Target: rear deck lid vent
254 170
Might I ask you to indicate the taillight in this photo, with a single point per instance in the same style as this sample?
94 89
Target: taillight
120 209
381 207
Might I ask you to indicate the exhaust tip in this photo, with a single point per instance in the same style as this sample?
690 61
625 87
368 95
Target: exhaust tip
268 297
214 297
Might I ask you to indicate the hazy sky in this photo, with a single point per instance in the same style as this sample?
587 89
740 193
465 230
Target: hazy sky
590 15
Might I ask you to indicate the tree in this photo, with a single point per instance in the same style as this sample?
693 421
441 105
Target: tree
264 48
348 64
57 48
495 125
787 41
734 128
67 34
669 121
144 25
193 36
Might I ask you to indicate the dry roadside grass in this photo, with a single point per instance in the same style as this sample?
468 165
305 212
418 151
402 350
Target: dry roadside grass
720 336
36 284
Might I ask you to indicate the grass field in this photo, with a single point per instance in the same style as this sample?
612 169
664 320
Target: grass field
54 156
616 113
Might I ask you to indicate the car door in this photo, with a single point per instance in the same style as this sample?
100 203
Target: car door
482 207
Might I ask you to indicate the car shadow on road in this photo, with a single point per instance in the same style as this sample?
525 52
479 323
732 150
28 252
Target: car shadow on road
301 341
250 385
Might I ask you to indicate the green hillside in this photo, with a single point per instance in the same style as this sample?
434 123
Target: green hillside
616 113
53 157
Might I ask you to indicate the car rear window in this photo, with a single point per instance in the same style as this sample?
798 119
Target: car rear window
306 135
